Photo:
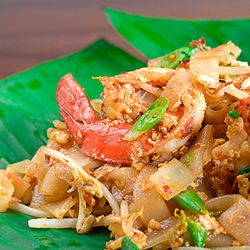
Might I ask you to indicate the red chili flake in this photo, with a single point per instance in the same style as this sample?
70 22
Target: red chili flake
167 189
202 40
198 43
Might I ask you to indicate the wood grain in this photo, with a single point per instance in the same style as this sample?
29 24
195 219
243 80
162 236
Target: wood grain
32 31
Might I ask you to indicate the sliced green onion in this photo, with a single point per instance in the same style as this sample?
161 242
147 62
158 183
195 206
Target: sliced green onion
173 59
197 232
128 244
190 201
149 119
187 161
245 170
234 113
231 53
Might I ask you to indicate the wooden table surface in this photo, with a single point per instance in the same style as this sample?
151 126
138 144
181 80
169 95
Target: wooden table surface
32 31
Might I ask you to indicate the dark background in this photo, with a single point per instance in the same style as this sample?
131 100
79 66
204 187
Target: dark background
32 31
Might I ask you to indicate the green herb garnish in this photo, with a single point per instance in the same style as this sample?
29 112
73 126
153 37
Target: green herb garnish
245 170
173 59
231 53
187 160
190 201
197 232
149 119
234 113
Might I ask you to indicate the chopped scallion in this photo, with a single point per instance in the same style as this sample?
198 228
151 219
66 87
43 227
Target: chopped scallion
245 170
191 202
197 232
149 119
234 113
173 59
187 160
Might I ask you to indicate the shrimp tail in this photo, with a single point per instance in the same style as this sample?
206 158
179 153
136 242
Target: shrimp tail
72 99
100 139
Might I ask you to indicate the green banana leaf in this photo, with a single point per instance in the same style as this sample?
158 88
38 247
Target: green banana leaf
27 108
155 37
27 99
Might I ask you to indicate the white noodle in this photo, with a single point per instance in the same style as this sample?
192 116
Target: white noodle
232 90
233 70
105 221
73 165
111 200
19 167
84 221
245 84
52 223
124 209
150 89
37 160
28 210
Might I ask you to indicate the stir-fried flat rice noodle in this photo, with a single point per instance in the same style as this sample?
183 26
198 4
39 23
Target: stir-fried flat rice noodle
162 159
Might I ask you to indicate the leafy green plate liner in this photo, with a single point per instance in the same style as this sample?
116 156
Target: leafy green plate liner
155 37
27 108
28 105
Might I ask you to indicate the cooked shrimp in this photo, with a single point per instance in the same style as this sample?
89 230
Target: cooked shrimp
123 95
186 97
128 95
100 139
103 139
